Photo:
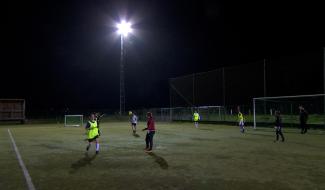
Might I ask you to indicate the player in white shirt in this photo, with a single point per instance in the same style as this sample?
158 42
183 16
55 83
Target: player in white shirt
134 121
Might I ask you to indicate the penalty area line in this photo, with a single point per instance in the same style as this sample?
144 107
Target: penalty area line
22 165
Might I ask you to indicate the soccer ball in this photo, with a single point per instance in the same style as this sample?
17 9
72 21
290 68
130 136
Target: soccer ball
130 112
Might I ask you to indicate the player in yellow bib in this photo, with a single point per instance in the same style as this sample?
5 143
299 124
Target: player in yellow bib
241 120
196 119
92 132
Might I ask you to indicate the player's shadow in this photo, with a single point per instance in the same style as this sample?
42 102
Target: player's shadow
136 135
260 134
160 160
82 162
205 129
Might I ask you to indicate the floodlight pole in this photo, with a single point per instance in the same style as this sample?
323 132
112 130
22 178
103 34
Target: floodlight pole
264 83
122 86
193 89
223 87
254 112
264 77
324 81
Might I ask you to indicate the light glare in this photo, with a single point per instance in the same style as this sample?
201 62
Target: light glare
124 28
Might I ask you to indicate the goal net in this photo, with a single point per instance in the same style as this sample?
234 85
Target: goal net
73 120
207 113
264 108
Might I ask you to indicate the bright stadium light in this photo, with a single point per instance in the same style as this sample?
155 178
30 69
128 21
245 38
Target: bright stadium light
124 28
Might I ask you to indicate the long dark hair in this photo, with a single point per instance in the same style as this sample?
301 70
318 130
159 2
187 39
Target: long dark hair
149 114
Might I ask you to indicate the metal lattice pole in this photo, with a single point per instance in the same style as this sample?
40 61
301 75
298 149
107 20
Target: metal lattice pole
223 87
122 87
254 111
324 82
170 101
264 75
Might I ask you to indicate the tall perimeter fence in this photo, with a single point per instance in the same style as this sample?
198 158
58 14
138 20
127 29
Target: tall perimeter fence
217 93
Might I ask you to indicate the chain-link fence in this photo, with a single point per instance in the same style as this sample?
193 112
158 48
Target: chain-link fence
237 85
225 86
207 113
288 106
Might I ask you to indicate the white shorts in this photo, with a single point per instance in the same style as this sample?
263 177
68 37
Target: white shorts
241 123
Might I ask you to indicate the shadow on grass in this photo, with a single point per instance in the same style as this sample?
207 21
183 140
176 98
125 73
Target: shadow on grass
49 146
204 139
310 132
160 160
293 131
82 162
205 129
136 135
307 145
260 134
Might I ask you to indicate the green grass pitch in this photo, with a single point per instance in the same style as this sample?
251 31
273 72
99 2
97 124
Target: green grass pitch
211 157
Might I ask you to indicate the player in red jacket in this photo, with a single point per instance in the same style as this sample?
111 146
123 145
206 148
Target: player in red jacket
150 132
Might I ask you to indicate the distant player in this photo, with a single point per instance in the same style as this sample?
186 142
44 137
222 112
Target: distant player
134 121
92 132
196 119
278 126
150 132
303 117
240 120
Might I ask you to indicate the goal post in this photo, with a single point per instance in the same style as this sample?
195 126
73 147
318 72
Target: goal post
264 107
207 113
73 120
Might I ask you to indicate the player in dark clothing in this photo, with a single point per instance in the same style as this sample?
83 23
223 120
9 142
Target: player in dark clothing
303 117
278 126
150 132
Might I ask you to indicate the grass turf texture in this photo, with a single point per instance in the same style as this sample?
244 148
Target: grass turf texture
211 157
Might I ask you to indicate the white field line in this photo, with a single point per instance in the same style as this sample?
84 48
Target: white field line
22 165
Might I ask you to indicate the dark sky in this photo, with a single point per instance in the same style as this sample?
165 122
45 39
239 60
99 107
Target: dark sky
66 53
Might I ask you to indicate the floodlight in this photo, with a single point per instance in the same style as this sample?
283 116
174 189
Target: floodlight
124 28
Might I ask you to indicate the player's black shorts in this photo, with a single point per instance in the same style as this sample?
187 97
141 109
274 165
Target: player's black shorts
133 124
91 140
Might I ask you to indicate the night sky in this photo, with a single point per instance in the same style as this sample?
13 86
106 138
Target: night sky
59 54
